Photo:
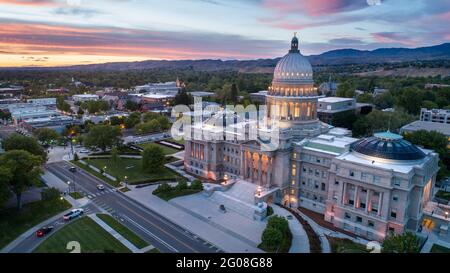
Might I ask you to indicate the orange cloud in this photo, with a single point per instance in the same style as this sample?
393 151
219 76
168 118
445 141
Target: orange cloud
29 2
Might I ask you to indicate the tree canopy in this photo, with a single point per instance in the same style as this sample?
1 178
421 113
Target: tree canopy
103 137
29 144
153 159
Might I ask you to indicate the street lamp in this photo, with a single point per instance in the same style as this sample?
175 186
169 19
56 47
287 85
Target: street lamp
258 191
446 214
68 183
126 181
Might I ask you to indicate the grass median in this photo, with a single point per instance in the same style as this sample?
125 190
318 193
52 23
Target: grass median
91 237
13 223
123 230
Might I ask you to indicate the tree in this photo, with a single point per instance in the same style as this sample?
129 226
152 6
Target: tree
29 144
21 171
271 239
131 105
132 120
182 185
95 106
150 116
383 101
50 194
80 111
148 127
103 137
114 155
114 120
279 223
365 98
163 188
407 242
435 141
345 90
164 122
345 119
153 159
429 104
234 93
5 192
76 157
62 105
197 185
183 98
411 100
45 135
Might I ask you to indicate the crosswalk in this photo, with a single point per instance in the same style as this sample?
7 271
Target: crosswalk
100 193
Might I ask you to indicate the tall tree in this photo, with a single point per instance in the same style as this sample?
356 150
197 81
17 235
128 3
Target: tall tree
21 171
153 159
29 144
45 135
103 137
234 93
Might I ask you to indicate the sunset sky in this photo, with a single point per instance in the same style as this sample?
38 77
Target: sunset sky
64 32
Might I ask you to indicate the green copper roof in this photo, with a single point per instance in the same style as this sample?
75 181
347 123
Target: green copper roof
324 147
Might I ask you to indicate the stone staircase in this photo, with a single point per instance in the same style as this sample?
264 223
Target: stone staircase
239 198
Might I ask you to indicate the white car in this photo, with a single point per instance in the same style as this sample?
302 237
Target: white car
73 214
100 187
84 151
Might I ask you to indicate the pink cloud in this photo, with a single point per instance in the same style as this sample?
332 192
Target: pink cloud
29 2
313 8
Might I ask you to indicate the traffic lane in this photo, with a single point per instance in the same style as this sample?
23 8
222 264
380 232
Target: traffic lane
168 235
86 179
32 242
62 172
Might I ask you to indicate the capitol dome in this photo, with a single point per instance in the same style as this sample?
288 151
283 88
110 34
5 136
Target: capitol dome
293 66
388 146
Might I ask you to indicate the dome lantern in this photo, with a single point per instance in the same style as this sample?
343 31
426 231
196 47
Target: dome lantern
294 44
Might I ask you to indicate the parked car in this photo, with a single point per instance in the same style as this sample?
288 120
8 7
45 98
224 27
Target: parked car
44 231
84 151
100 187
73 214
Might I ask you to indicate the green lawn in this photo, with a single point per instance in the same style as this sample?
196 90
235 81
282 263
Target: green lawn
92 238
443 195
76 195
131 168
439 249
122 230
13 223
339 245
173 194
94 173
167 150
176 141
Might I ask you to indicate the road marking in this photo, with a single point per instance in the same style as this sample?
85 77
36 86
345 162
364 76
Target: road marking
150 233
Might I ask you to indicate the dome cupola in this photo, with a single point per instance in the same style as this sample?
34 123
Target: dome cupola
389 146
293 67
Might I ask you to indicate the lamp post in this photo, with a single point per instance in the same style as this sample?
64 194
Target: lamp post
446 215
68 183
126 181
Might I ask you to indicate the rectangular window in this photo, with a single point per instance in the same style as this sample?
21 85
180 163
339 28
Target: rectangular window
323 188
336 182
348 216
351 173
359 219
376 179
394 213
371 224
351 202
364 176
395 198
362 205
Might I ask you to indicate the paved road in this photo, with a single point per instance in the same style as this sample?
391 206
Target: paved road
150 225
31 242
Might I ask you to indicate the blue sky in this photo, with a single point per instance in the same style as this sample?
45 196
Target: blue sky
63 32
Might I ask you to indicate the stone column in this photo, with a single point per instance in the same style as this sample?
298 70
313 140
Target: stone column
252 166
368 205
269 172
259 169
243 164
344 190
380 203
355 197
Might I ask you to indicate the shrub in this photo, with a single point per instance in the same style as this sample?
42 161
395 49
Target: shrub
50 194
269 210
182 185
197 185
75 157
271 239
163 188
279 223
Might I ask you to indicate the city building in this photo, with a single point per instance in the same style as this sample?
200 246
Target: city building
85 97
443 128
259 97
51 102
167 88
378 91
11 92
435 115
329 107
202 94
328 88
57 123
57 91
30 112
369 186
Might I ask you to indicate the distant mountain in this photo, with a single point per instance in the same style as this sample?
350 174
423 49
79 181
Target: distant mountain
334 57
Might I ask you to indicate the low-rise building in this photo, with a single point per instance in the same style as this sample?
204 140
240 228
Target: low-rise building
85 97
329 107
259 97
43 101
443 128
435 115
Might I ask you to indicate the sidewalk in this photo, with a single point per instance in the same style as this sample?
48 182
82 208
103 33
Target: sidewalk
321 232
433 239
300 242
116 235
218 237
